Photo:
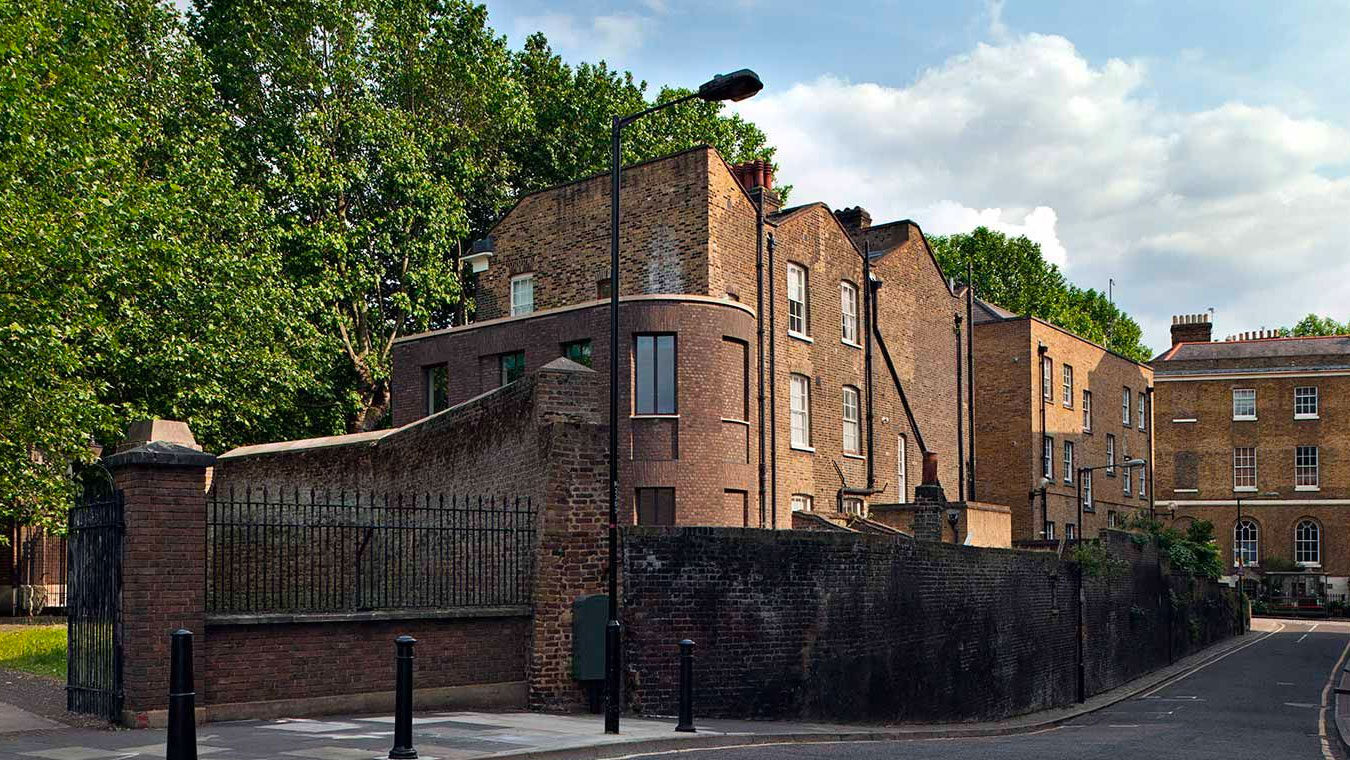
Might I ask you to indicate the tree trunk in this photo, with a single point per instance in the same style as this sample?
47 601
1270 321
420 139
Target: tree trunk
374 409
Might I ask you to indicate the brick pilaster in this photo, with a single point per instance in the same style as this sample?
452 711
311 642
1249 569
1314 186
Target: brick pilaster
164 562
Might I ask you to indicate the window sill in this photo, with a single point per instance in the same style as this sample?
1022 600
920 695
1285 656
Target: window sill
799 447
851 344
854 456
653 416
1185 490
1308 564
1307 417
1087 431
1068 406
1244 489
1243 419
735 421
1110 473
1306 489
801 337
1185 420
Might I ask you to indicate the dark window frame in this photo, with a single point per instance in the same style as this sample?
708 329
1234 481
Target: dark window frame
656 409
654 506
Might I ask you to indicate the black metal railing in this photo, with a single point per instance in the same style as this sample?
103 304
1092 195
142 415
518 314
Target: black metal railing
94 607
313 551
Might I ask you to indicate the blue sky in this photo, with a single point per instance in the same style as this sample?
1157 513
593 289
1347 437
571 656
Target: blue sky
1196 153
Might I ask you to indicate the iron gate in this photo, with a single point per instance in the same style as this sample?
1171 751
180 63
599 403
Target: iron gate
94 606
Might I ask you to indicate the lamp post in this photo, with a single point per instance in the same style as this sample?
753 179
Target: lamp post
738 85
1082 599
1041 485
1238 559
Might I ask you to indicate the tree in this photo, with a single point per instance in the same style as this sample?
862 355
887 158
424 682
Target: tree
1013 273
1313 325
387 135
140 280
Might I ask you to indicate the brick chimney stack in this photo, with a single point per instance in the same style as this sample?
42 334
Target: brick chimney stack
1191 328
757 179
854 219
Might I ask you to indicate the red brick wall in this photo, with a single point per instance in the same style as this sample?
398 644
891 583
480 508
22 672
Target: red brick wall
163 566
252 663
1009 434
690 453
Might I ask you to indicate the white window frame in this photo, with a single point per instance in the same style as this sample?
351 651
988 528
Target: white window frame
1126 484
798 297
1066 373
1308 543
1307 468
799 410
1311 411
1245 394
1049 530
853 505
1070 532
1110 454
902 483
1047 378
1068 461
1087 411
1143 481
1247 548
1243 467
848 314
802 502
852 421
1048 457
519 307
1125 397
1087 492
1143 411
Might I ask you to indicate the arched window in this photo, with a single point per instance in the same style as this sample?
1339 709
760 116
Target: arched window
1245 544
1308 543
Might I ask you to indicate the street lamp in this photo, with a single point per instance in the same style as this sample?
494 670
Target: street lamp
1082 598
738 85
1041 485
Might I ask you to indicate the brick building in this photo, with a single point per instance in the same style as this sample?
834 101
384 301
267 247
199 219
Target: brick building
1048 403
1259 418
715 276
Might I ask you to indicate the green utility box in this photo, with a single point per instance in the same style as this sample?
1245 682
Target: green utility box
589 615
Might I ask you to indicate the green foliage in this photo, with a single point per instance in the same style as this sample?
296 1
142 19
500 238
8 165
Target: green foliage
1013 273
1313 325
39 649
1193 552
140 279
388 134
229 220
1096 562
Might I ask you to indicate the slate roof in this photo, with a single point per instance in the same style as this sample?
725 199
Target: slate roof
1262 348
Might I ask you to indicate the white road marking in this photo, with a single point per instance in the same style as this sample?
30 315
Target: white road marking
1174 679
1284 683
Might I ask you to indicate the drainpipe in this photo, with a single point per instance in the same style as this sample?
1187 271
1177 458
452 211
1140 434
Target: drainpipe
970 367
759 345
1039 446
869 314
773 395
1150 467
960 417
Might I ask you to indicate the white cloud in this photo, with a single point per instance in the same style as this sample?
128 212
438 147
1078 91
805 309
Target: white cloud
1231 207
607 37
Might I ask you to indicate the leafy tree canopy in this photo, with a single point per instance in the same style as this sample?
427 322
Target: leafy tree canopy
1012 273
140 279
1313 325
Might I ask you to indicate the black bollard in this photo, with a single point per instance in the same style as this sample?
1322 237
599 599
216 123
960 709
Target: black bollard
182 700
403 664
686 722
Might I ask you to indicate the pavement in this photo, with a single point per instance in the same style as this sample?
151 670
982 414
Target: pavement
471 735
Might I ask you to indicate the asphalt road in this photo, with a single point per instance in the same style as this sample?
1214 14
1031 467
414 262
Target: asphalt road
1262 702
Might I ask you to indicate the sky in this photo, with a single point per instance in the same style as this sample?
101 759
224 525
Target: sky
1196 153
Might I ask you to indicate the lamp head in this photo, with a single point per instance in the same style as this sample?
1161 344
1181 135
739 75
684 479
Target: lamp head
1136 463
953 515
1043 483
736 86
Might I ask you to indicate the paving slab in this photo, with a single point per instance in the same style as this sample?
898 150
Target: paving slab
14 718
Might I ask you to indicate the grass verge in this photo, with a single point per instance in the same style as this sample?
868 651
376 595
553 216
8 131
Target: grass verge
39 649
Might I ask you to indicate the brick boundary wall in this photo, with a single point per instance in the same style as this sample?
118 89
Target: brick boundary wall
547 441
819 625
